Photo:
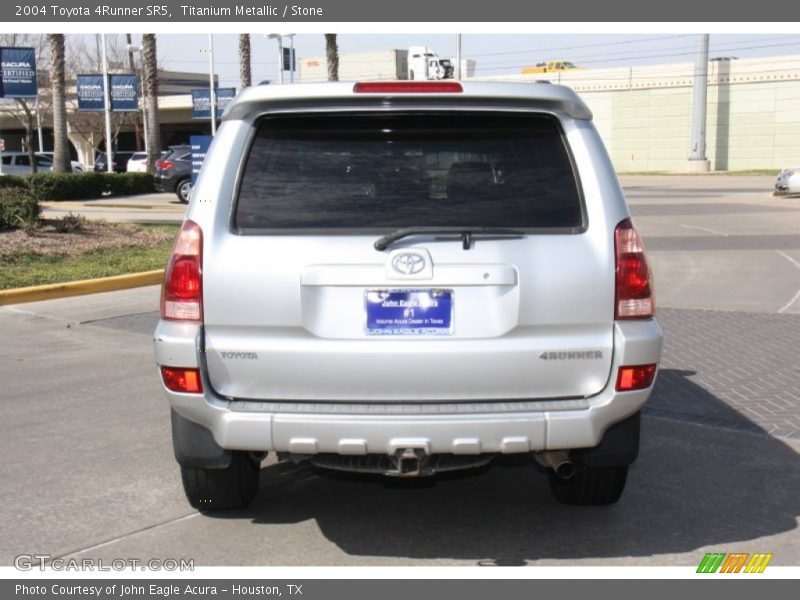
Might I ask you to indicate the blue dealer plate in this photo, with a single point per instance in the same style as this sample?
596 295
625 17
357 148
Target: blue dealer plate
409 312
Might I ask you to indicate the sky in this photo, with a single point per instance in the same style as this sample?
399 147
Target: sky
494 53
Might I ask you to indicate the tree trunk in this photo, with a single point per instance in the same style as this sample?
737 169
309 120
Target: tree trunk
245 73
27 143
332 56
61 162
150 60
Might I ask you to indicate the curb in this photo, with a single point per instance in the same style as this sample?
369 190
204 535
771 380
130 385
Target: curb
157 207
82 287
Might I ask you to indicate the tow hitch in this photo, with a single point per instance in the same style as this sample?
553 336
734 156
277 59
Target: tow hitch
407 463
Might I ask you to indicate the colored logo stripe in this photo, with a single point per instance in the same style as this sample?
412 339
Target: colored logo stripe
758 562
734 563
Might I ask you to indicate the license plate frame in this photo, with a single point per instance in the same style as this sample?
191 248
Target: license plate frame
408 312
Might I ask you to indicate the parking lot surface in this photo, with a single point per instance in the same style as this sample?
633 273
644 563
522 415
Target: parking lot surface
88 469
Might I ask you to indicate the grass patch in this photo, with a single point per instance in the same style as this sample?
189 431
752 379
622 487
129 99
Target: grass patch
55 259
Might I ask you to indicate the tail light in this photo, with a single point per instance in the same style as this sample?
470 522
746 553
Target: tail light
635 378
408 87
164 164
179 379
181 293
634 293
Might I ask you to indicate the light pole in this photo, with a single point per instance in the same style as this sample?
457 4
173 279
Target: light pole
279 37
291 56
213 94
133 50
107 104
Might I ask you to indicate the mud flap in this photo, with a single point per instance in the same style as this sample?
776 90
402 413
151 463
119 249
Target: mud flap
619 447
195 447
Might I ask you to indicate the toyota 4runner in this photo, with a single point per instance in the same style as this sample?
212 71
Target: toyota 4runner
407 278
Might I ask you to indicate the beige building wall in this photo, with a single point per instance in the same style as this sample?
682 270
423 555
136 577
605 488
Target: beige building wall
643 114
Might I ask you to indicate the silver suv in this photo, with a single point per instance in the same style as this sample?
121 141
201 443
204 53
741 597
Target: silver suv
407 278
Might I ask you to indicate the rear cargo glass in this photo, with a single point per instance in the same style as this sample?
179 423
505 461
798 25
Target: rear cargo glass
385 171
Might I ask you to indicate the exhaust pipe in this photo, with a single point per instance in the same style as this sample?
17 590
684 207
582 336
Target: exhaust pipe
559 461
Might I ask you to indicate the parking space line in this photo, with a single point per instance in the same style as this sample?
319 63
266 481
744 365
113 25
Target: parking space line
709 230
126 536
786 306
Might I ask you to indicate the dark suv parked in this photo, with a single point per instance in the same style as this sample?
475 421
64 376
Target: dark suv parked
120 162
174 172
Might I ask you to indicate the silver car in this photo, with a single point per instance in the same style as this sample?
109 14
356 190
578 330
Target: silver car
407 278
788 182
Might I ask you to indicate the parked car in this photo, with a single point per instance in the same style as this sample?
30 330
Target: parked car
174 172
19 163
788 182
120 162
77 167
137 163
407 278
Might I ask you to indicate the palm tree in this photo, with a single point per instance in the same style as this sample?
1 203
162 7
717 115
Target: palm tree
150 64
332 56
61 161
244 60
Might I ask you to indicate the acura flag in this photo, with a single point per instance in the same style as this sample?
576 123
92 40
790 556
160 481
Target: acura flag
18 73
123 90
201 102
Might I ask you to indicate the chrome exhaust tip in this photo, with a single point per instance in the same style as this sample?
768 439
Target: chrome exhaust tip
559 461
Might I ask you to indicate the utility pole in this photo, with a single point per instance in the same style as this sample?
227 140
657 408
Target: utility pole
137 134
213 95
107 103
698 163
458 57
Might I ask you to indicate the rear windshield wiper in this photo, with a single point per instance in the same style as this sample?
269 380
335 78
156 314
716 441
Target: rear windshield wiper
466 234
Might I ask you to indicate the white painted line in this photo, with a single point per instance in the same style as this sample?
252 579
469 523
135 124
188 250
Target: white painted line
786 306
129 535
709 230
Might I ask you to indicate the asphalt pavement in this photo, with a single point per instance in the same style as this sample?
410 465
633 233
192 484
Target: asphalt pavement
88 468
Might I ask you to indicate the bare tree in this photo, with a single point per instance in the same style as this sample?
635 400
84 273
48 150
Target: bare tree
332 56
150 60
61 162
245 72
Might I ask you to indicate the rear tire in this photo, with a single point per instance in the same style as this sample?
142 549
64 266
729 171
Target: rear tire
184 190
590 485
221 489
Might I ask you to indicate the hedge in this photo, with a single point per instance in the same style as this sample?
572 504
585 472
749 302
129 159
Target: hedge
86 186
12 181
17 208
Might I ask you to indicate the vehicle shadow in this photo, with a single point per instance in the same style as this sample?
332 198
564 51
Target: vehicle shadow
692 486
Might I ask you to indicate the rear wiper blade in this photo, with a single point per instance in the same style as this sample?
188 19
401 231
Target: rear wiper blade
466 234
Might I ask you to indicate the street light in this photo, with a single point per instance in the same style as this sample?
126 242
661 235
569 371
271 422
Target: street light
279 37
133 49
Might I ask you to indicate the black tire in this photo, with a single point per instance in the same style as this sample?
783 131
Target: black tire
221 489
590 485
184 190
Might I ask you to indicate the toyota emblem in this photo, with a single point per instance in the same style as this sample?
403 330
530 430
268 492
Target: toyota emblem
408 263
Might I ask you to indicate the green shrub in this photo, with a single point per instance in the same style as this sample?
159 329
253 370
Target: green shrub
12 181
18 208
86 186
123 184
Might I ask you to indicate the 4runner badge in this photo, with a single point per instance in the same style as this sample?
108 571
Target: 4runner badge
572 355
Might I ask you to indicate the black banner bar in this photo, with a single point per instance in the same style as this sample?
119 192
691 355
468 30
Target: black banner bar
394 589
447 11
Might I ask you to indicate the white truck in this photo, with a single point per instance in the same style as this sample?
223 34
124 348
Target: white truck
425 64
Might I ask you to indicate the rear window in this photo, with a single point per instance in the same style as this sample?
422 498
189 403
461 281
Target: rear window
385 171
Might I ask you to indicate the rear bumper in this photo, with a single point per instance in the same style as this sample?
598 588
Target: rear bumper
544 425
